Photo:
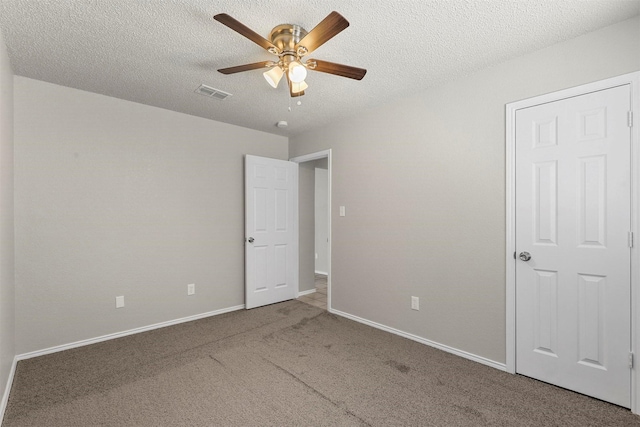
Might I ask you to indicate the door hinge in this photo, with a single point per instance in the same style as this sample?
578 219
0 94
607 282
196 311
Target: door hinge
630 238
630 360
630 118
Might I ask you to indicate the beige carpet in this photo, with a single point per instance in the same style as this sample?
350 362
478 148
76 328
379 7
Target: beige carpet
289 364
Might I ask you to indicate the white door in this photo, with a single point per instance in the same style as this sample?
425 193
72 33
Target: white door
271 240
573 216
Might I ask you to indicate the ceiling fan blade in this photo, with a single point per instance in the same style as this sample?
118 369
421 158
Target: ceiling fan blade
337 69
325 30
246 67
242 29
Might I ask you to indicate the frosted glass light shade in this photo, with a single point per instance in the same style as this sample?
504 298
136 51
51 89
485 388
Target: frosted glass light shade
298 87
273 76
297 72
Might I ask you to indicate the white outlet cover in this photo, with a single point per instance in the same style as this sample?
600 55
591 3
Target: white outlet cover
191 289
415 303
120 301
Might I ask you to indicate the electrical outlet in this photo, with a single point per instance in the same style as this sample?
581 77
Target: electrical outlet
415 303
120 301
191 288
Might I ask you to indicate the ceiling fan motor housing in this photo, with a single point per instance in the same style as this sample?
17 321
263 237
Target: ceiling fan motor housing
285 37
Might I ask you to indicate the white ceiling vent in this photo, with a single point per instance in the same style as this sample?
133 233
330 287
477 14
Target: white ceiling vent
212 92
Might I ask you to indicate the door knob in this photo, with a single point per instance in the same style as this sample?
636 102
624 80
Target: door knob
251 240
525 256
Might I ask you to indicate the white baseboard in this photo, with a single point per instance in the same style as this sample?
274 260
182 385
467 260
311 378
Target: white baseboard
461 353
310 291
90 341
322 272
7 389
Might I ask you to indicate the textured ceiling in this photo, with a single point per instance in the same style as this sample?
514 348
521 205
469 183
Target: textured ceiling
158 52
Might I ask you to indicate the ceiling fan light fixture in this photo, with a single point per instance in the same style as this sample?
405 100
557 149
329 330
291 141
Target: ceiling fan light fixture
298 87
291 43
297 72
273 76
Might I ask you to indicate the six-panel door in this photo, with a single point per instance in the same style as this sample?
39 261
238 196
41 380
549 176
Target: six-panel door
573 216
271 247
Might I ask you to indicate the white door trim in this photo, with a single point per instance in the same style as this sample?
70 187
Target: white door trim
308 158
632 79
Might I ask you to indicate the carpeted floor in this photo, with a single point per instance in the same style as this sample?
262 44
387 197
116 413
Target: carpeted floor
288 364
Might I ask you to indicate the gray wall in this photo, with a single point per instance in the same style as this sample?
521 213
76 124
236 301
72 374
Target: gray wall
306 215
423 182
7 289
306 220
322 219
118 198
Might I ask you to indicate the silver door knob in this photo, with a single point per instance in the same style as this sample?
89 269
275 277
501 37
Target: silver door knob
251 240
525 256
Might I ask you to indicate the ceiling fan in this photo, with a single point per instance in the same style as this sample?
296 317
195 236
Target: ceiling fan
290 43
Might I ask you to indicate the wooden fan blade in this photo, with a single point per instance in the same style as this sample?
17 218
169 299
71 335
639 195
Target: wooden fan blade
325 30
338 69
242 29
246 67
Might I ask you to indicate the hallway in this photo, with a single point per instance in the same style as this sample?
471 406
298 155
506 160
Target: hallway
319 297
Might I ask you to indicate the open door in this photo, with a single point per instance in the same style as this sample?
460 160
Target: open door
271 231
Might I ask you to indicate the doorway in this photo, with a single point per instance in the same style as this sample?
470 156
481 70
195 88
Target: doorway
571 216
315 228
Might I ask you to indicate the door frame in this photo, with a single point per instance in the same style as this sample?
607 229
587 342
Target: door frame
633 80
307 158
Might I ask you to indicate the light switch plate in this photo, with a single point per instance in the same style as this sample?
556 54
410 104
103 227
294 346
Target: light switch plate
343 211
120 301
